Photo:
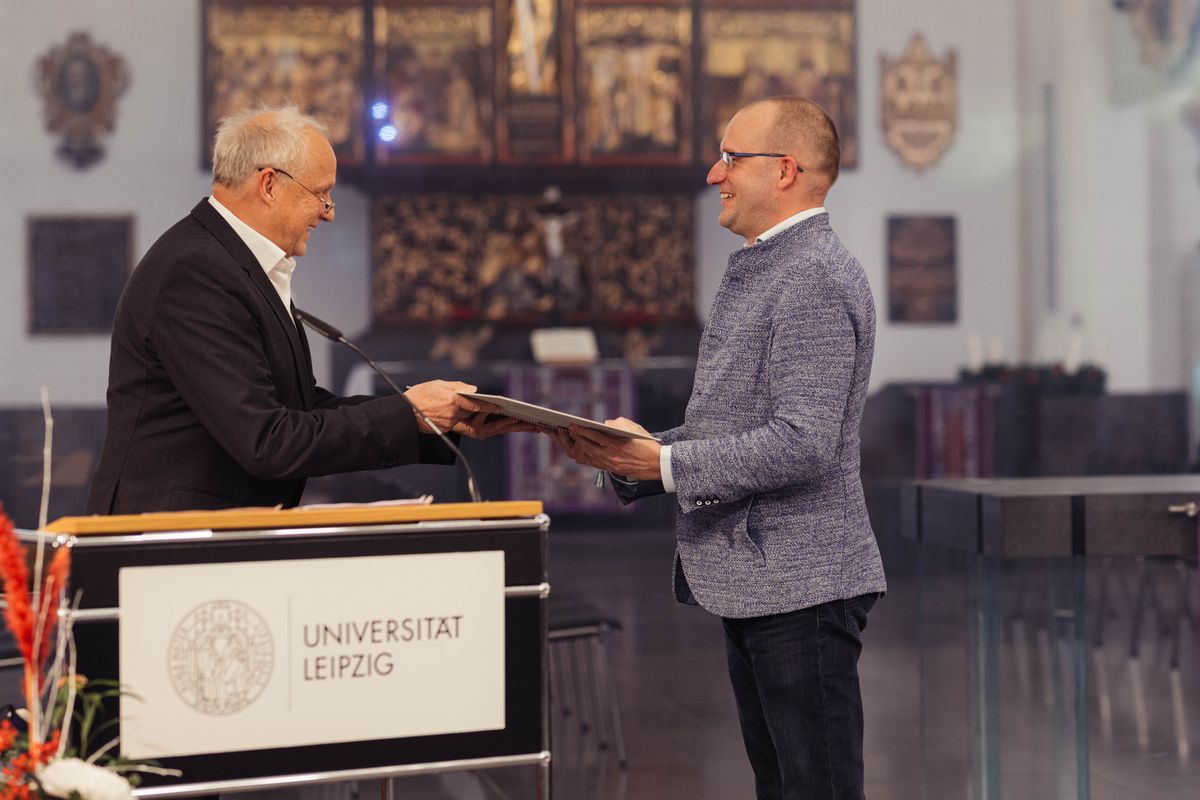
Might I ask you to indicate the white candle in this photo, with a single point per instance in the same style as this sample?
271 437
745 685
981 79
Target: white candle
995 350
974 353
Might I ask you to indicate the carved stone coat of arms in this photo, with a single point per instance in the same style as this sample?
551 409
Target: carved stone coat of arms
80 82
920 103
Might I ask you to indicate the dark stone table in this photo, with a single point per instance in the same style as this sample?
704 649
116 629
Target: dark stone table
1055 517
1052 553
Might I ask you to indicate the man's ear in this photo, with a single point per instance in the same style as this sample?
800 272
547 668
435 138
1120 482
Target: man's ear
788 172
266 185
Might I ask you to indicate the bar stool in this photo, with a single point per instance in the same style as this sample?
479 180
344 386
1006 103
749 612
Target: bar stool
581 673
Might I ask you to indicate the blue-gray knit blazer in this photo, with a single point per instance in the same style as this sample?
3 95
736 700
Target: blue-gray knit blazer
766 463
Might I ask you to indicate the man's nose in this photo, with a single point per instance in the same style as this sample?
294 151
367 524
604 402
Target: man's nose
717 173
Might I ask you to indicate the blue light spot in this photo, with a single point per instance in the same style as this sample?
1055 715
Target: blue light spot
387 133
379 110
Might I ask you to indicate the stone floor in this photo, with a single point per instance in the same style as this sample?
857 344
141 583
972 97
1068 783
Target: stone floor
920 669
921 664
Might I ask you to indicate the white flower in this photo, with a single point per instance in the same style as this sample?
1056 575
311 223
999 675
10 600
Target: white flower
61 777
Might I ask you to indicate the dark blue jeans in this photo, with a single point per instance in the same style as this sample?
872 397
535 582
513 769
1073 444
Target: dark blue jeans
795 678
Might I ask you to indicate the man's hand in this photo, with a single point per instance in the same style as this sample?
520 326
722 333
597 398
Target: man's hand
485 425
635 459
440 401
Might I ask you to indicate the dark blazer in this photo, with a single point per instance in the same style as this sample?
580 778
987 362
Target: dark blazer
211 397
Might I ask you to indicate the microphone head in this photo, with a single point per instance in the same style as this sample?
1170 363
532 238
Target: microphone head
320 326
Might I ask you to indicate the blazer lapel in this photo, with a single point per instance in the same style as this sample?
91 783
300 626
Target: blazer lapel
306 385
211 219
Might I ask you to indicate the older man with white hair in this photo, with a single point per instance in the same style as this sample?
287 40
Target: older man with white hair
211 398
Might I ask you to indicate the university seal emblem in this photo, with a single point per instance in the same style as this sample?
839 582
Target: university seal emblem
920 103
221 657
80 83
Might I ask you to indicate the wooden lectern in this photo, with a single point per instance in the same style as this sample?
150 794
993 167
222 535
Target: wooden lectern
103 546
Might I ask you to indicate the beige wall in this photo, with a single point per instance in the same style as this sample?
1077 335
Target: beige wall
1125 179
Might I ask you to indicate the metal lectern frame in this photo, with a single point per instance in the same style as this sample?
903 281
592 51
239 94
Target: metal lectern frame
525 741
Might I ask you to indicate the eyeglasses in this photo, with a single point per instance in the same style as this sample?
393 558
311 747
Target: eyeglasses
326 204
728 157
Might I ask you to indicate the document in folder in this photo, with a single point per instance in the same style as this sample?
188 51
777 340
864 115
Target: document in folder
548 417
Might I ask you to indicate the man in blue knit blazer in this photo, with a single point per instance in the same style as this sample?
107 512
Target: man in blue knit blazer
773 534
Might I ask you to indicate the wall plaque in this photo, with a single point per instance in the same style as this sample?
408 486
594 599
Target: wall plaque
922 267
919 103
77 269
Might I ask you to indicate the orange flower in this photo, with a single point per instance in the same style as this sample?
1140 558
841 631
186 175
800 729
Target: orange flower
19 614
41 753
8 735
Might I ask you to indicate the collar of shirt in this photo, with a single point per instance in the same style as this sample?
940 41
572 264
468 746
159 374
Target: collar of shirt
275 263
789 222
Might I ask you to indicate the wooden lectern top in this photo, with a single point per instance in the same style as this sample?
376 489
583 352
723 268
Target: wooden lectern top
302 517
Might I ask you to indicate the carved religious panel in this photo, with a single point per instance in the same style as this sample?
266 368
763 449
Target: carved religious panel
634 74
527 258
309 53
804 47
922 268
433 64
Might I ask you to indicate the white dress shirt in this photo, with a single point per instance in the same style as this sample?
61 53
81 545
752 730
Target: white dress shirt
278 265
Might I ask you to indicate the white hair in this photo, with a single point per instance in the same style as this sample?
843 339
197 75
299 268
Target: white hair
267 136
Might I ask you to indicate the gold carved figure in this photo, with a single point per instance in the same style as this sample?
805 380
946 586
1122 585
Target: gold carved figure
533 47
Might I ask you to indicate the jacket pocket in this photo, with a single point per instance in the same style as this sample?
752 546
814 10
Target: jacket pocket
747 534
184 499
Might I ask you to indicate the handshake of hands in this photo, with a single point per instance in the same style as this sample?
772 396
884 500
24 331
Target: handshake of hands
633 459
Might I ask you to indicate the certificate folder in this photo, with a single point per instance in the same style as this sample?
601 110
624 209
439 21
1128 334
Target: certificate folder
548 417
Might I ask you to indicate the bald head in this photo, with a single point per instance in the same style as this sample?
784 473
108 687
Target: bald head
803 128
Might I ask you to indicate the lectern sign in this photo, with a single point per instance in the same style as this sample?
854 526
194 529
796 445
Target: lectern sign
268 654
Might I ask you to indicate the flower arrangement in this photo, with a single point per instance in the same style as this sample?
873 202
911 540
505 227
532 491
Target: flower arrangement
41 754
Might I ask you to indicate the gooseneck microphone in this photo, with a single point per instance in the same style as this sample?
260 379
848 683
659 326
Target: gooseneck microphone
334 335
